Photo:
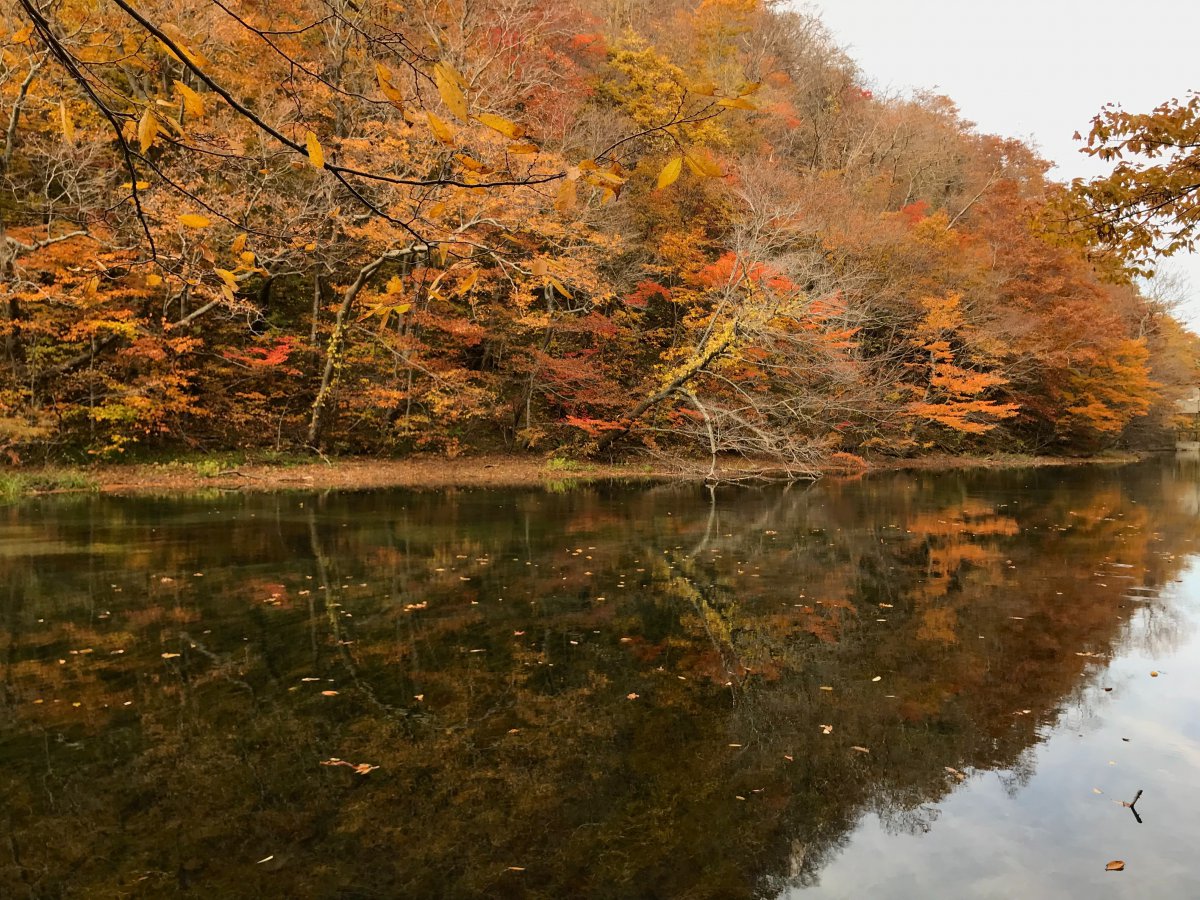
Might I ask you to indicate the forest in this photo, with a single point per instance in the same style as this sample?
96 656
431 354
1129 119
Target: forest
445 226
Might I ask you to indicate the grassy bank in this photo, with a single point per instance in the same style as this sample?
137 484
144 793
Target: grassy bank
248 472
17 484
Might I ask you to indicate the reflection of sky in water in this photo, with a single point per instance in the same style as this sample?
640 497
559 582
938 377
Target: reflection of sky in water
622 690
1052 837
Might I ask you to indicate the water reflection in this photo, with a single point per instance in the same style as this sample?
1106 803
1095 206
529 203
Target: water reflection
616 691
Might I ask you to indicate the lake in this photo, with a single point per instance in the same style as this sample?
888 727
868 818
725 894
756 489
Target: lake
907 685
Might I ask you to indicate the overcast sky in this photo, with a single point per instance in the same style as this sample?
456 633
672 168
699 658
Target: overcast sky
1034 69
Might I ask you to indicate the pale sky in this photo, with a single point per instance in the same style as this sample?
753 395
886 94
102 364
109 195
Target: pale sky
1033 69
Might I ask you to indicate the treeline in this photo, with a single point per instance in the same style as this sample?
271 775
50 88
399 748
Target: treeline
383 228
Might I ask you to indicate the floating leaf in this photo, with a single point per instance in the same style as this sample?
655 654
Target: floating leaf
1116 865
329 693
631 696
169 655
316 154
860 749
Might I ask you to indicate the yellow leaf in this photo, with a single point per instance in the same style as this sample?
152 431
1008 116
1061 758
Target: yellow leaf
702 164
468 162
736 103
310 247
566 198
467 283
238 245
246 258
703 88
670 173
395 285
538 268
226 276
449 86
153 280
440 129
193 103
65 121
749 88
23 35
227 293
147 130
558 286
502 125
192 220
316 155
177 38
523 148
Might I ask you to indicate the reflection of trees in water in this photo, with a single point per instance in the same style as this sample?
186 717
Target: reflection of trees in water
503 728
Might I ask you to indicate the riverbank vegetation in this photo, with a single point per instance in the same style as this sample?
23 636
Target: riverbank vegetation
374 228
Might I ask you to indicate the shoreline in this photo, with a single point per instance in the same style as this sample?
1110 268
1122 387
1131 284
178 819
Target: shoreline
511 470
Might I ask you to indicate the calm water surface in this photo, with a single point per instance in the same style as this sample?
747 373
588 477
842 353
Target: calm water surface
913 685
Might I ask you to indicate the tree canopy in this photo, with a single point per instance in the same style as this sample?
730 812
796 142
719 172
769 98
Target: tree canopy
375 227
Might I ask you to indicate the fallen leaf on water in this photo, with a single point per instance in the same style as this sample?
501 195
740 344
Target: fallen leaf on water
631 696
1154 674
826 687
788 758
860 749
516 868
266 859
328 693
877 678
310 678
169 655
735 745
1097 791
826 729
1115 866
